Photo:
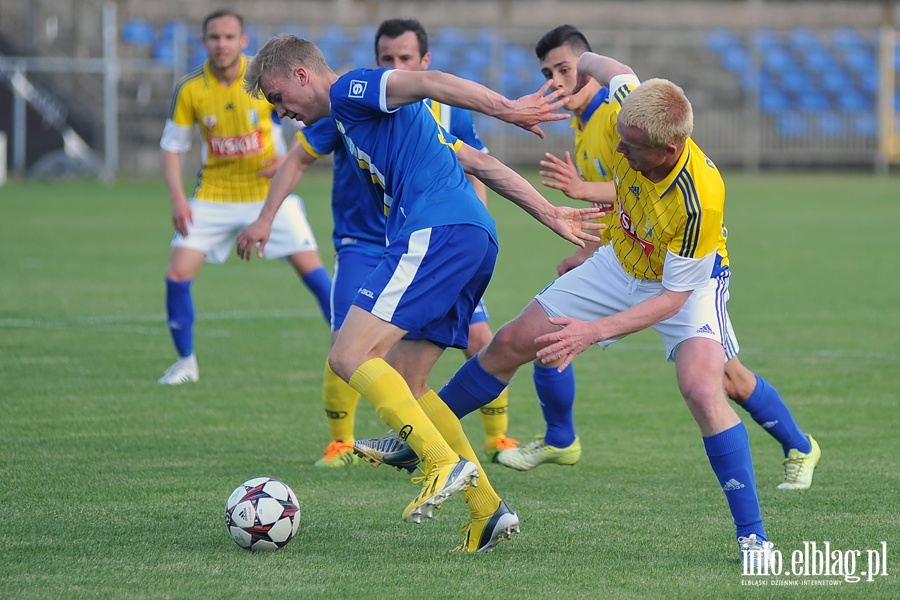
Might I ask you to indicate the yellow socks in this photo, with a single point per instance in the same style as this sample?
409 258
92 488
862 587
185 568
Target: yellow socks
482 500
378 382
495 417
340 406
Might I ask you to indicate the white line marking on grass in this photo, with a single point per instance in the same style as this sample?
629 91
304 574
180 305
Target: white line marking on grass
121 324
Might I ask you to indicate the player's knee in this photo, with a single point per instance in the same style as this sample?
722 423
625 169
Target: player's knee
479 337
510 347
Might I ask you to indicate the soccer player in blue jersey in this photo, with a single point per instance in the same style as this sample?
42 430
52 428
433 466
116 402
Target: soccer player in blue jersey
558 52
666 267
358 237
242 149
440 254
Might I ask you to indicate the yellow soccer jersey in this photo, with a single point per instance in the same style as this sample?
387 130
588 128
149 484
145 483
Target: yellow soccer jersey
593 154
682 214
237 135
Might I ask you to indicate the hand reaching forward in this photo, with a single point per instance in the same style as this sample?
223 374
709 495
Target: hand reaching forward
574 338
528 111
562 175
570 223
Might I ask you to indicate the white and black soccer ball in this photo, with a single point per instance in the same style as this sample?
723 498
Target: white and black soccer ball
262 514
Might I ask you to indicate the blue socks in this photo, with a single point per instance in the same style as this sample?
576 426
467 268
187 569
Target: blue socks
729 456
319 283
470 388
556 393
768 409
180 312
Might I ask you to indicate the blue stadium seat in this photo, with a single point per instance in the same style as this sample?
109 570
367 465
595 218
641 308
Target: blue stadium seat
736 60
835 81
805 39
332 35
453 39
860 59
722 39
819 60
764 38
796 81
138 32
774 101
196 56
853 100
868 81
778 59
813 100
791 124
847 38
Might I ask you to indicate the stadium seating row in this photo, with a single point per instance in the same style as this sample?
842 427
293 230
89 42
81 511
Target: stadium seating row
803 69
466 53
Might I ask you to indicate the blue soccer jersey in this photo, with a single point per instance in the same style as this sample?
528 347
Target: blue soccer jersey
421 183
358 218
457 121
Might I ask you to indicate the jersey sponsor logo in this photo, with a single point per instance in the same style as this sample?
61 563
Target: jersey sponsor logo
210 122
357 89
631 231
235 146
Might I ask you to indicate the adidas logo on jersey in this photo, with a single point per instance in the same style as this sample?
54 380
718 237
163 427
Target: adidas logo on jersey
706 329
732 485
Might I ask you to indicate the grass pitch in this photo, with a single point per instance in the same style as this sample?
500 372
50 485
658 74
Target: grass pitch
112 486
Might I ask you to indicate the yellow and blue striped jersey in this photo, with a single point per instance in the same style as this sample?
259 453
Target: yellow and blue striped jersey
237 135
593 155
682 214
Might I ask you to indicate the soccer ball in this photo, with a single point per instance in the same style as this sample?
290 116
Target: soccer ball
262 514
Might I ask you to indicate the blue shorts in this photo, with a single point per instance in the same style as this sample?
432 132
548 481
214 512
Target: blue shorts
481 314
430 282
353 265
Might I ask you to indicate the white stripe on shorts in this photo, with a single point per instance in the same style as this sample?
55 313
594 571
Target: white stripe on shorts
403 275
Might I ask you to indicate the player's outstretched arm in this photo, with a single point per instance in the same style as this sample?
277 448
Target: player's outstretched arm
577 336
561 175
567 222
407 87
288 176
602 68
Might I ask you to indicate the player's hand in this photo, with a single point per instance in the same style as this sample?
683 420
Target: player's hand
563 175
570 262
570 223
536 108
255 235
182 217
574 338
271 166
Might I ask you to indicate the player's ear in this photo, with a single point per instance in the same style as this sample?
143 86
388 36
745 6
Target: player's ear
245 40
426 61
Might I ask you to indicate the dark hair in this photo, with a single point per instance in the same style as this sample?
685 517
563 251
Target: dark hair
394 28
560 36
222 12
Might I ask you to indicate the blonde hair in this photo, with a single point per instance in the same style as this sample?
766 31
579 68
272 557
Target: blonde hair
279 57
660 109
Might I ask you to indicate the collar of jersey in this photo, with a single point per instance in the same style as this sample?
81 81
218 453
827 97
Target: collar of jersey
598 99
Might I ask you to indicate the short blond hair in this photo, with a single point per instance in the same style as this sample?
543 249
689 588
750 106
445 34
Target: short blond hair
279 57
660 109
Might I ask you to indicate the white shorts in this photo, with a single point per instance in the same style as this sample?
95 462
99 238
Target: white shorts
600 288
217 225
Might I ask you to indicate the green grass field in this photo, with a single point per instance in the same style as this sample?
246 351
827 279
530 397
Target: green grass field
112 486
